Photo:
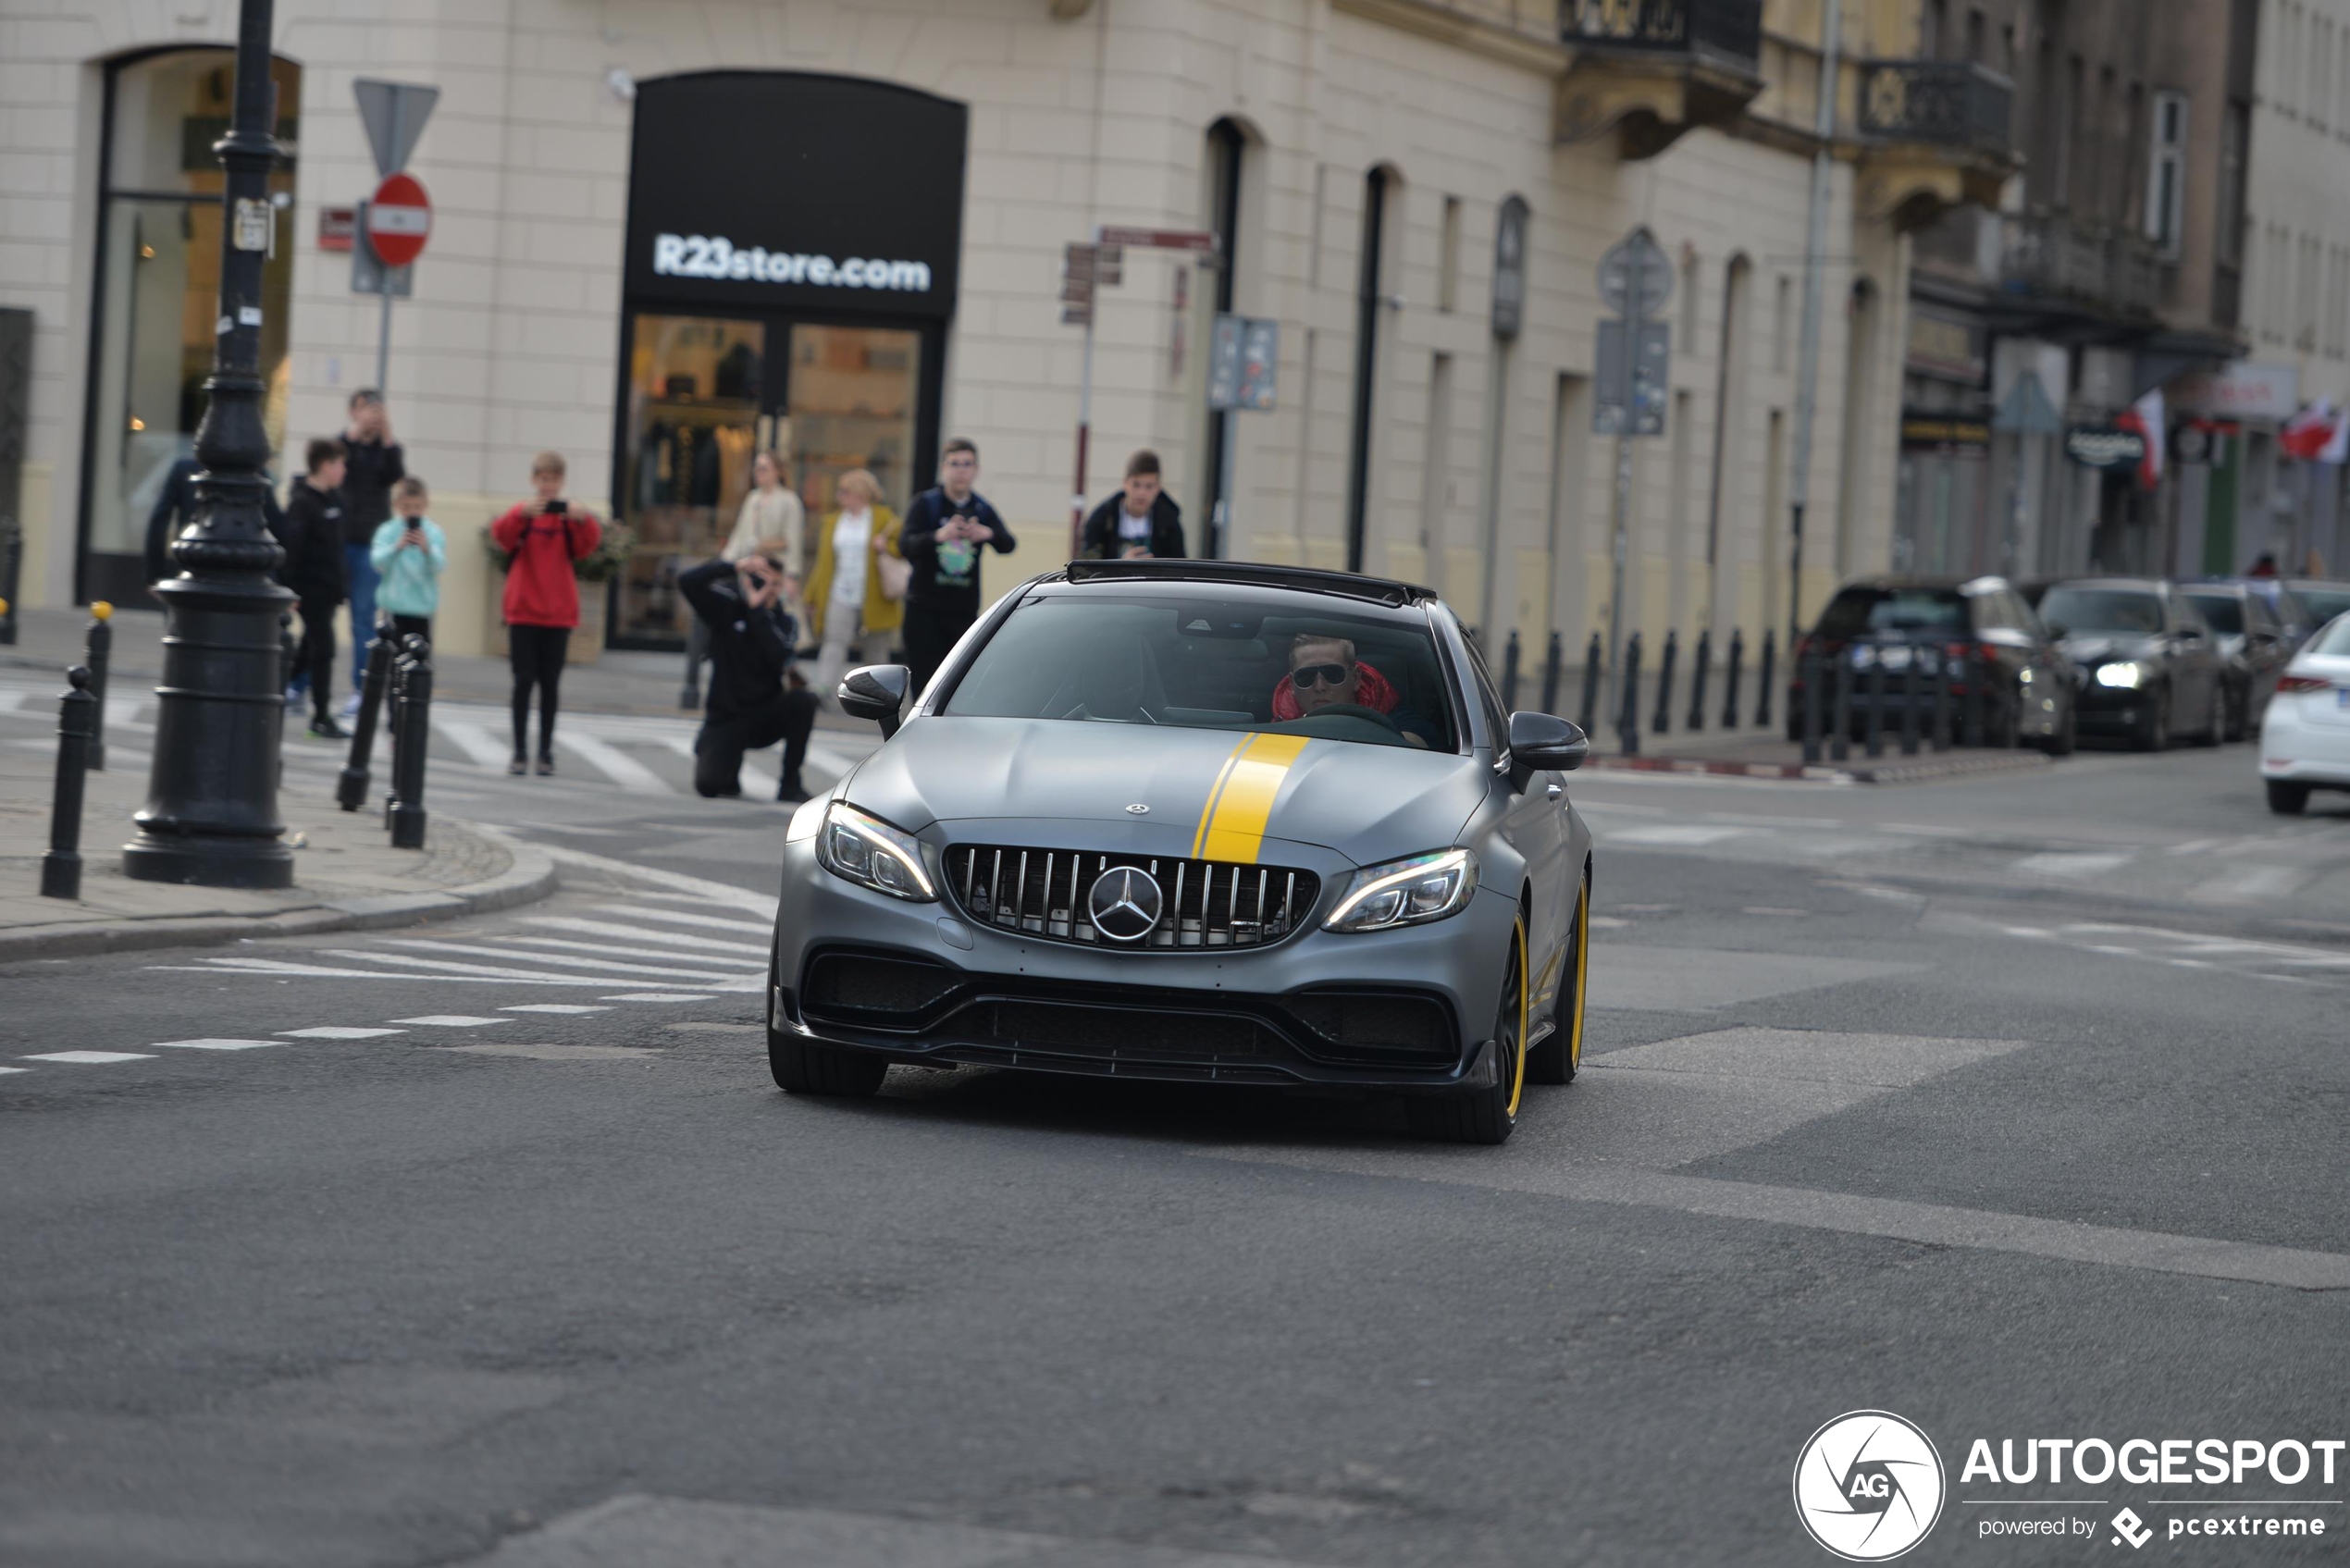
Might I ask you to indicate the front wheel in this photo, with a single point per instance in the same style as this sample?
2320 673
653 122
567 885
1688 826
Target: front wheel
1557 1057
1487 1114
2062 743
2287 799
2154 730
2239 713
2215 721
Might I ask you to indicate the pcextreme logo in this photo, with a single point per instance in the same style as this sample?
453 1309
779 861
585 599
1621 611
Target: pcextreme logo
1868 1485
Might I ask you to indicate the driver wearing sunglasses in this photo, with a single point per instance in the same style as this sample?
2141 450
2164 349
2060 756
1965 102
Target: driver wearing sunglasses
1323 673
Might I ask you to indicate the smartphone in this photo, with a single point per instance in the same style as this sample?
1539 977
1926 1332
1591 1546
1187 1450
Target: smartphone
558 504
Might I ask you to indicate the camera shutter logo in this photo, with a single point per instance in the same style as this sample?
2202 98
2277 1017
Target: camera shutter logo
1869 1486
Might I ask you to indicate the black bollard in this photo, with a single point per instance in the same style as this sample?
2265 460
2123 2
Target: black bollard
1697 680
1975 675
1762 697
1841 741
407 811
61 868
99 647
1551 675
1663 723
1730 679
350 789
1627 718
287 652
1509 675
1912 696
1814 675
1592 658
1943 699
395 692
1876 701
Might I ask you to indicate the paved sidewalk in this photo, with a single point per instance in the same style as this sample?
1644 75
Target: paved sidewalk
346 875
1771 756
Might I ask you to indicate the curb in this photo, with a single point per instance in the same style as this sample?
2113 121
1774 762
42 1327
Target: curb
1877 773
529 878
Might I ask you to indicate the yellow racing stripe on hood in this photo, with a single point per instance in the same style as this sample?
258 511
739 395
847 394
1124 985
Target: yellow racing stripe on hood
1233 828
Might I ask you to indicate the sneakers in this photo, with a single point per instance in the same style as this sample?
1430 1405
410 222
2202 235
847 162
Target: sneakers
546 767
324 727
792 790
350 709
519 766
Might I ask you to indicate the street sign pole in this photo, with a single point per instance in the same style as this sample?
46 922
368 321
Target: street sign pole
1807 381
383 320
1635 280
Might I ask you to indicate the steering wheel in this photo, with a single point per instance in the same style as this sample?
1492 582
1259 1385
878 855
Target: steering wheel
1351 710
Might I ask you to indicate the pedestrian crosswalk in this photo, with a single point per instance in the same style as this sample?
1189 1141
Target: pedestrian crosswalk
641 754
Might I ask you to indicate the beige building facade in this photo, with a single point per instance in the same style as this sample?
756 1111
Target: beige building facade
1353 158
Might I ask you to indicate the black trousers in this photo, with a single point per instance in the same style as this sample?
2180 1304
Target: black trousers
536 654
930 635
718 750
317 652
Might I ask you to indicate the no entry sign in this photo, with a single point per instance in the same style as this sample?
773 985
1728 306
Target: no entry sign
398 220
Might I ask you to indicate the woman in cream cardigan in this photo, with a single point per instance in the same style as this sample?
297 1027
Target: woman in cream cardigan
849 608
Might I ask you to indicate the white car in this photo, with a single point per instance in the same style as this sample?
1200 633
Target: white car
2305 739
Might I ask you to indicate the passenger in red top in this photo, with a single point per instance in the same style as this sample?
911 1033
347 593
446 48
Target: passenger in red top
542 538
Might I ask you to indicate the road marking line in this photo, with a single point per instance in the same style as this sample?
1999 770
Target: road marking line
553 1053
615 763
635 934
479 744
553 1007
336 1032
452 1020
678 918
1673 832
282 970
699 974
213 1044
716 961
89 1057
2068 863
724 893
15 1070
717 1028
455 970
657 996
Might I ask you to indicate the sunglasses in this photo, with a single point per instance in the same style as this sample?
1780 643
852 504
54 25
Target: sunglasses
1321 676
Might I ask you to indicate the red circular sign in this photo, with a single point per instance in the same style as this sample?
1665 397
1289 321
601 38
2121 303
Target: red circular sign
398 220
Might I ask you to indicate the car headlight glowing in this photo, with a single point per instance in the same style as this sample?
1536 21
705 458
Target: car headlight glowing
2121 673
1406 893
868 852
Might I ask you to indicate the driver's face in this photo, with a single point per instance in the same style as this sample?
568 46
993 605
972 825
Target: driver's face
1310 668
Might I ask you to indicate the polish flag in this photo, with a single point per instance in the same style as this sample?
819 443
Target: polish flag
2319 433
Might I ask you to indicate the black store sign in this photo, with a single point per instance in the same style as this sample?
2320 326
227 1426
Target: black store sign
2104 446
772 190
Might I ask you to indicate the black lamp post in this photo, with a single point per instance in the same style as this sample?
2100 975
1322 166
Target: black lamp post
211 815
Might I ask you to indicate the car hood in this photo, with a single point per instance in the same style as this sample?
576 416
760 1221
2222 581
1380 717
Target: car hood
2095 648
1366 802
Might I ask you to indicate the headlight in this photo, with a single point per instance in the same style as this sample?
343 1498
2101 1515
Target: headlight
871 852
1406 893
2124 674
808 819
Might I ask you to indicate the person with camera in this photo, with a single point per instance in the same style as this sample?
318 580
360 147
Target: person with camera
543 538
945 529
756 698
408 552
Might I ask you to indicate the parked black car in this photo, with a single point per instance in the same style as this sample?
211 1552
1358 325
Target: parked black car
2254 645
2029 684
2150 668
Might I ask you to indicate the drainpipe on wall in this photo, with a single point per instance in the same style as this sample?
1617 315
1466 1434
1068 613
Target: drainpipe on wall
1807 384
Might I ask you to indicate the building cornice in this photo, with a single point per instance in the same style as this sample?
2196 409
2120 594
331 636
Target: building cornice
1432 19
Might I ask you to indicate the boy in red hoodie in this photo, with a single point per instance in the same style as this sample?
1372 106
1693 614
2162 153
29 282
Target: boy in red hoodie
543 537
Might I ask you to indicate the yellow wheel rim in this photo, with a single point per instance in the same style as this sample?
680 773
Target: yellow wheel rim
1518 1069
1582 972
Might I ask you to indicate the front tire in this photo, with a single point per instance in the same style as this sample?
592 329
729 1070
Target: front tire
1489 1115
1556 1060
2239 713
2217 720
2287 799
2067 736
2154 731
802 1067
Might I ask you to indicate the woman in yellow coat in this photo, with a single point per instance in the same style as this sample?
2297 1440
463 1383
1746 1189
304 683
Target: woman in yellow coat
849 611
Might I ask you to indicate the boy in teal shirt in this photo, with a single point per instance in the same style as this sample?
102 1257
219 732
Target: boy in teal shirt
409 552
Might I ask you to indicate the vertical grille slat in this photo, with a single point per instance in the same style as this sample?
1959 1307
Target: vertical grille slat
1205 904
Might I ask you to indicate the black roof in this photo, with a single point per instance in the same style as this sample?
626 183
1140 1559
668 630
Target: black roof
1250 574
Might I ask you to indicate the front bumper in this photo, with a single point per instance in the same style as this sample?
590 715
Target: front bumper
2298 749
1409 1010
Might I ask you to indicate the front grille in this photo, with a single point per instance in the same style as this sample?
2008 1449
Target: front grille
1204 903
1120 1033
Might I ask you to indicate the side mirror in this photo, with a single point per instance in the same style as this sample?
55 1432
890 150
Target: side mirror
877 692
1541 743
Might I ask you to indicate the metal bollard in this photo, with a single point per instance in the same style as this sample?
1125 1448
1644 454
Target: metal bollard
286 651
97 650
61 868
1697 680
1975 675
1551 675
395 692
1628 724
1663 723
1762 698
1943 699
1730 679
1814 673
1509 673
1592 658
350 788
1841 742
1912 694
407 810
1877 702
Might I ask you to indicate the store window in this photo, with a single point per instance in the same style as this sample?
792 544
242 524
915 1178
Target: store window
158 278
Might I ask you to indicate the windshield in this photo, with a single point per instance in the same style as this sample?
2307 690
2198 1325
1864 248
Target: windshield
2225 611
2325 603
1205 662
2334 640
1858 612
2103 609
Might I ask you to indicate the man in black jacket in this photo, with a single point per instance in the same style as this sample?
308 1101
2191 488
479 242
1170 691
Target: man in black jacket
756 699
176 508
311 534
373 464
1141 520
945 529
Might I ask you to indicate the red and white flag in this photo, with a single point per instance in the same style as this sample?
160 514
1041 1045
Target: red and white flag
2317 434
2145 416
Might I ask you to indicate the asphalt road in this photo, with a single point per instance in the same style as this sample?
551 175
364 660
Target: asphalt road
2014 1105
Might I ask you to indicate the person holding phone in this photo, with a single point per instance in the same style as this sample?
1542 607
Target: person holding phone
544 538
409 552
945 529
756 698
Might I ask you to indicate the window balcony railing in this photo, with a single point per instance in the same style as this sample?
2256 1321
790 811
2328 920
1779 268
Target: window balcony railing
2111 270
1724 32
1943 102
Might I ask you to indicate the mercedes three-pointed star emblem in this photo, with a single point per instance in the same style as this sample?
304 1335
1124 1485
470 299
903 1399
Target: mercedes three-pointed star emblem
1125 903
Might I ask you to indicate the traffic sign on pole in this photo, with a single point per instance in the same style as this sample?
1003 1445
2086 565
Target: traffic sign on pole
1636 276
398 220
394 113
